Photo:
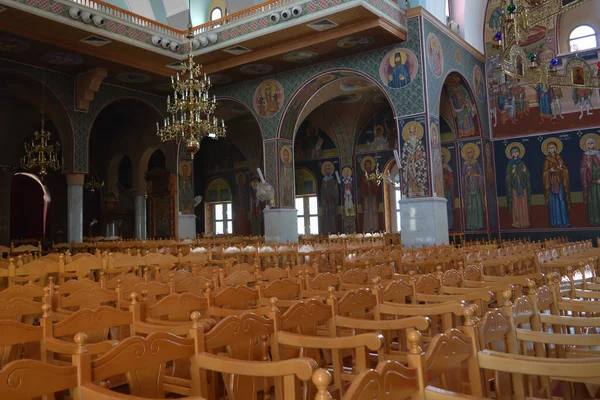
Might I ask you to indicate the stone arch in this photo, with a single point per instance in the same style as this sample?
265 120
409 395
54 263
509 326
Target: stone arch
140 165
54 107
292 110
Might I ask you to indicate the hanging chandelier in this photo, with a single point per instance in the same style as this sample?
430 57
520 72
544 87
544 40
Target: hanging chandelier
517 21
92 185
40 155
377 176
191 112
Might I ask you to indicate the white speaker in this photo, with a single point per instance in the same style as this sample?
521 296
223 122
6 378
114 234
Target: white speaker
203 41
98 21
286 14
156 40
86 17
166 43
195 44
297 11
274 17
74 13
212 38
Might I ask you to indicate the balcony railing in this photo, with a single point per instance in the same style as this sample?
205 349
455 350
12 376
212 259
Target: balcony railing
163 29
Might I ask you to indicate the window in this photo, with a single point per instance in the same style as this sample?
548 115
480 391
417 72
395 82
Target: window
308 215
216 13
582 38
398 197
223 218
447 9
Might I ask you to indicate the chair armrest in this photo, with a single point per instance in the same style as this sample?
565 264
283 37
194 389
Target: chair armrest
371 341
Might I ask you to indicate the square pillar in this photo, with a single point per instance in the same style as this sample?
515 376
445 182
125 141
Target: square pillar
186 226
281 225
423 221
141 228
75 208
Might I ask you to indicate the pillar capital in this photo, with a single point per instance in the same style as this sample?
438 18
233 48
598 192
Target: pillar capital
75 178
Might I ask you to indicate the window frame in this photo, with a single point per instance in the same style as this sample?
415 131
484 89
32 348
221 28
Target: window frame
227 217
213 10
306 215
572 39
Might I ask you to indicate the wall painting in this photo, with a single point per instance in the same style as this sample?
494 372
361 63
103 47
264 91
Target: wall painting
268 98
451 186
415 170
286 175
398 68
435 57
472 186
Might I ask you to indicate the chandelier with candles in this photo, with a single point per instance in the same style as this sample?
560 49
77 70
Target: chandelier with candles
40 153
191 111
518 20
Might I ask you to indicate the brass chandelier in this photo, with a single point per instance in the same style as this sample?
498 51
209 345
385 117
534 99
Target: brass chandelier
92 185
191 111
40 155
518 19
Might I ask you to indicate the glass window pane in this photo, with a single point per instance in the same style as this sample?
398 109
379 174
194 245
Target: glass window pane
583 30
314 225
397 198
398 220
313 206
229 213
300 205
229 226
215 14
219 228
301 227
584 43
218 212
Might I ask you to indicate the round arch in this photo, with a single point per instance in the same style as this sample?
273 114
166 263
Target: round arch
244 105
293 108
471 96
54 107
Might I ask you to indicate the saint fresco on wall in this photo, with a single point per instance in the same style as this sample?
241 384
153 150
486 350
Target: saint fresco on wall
380 133
490 180
478 83
435 56
473 186
436 159
329 198
590 176
186 188
286 174
462 105
449 184
415 173
557 188
369 195
312 143
398 68
268 98
348 208
518 185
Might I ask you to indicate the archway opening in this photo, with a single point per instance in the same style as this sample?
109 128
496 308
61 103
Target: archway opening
29 201
232 160
158 160
342 125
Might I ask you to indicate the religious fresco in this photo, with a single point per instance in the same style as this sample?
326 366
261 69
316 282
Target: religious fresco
415 166
451 186
379 133
436 158
398 68
62 59
462 106
518 109
286 175
268 98
186 187
355 42
12 45
435 57
312 143
256 69
478 83
348 206
490 183
356 83
329 198
369 194
472 185
300 56
549 181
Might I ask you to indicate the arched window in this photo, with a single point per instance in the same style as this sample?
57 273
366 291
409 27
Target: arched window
216 13
582 38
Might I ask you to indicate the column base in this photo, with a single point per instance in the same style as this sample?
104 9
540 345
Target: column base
281 225
186 227
423 221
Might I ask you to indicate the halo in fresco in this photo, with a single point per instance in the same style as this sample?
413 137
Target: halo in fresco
327 164
474 147
435 57
355 42
133 77
62 59
585 138
268 98
407 127
352 84
348 98
256 69
218 79
300 56
398 68
447 155
511 146
553 140
478 83
12 45
364 160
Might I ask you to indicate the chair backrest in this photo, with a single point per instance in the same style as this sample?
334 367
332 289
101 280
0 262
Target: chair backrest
27 379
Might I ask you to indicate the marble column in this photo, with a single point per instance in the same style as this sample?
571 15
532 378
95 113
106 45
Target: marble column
140 217
423 221
75 207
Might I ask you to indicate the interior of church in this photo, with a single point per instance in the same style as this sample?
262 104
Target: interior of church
299 199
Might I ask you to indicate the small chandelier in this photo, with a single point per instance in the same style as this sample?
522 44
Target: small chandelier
191 111
377 176
92 185
518 19
39 154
